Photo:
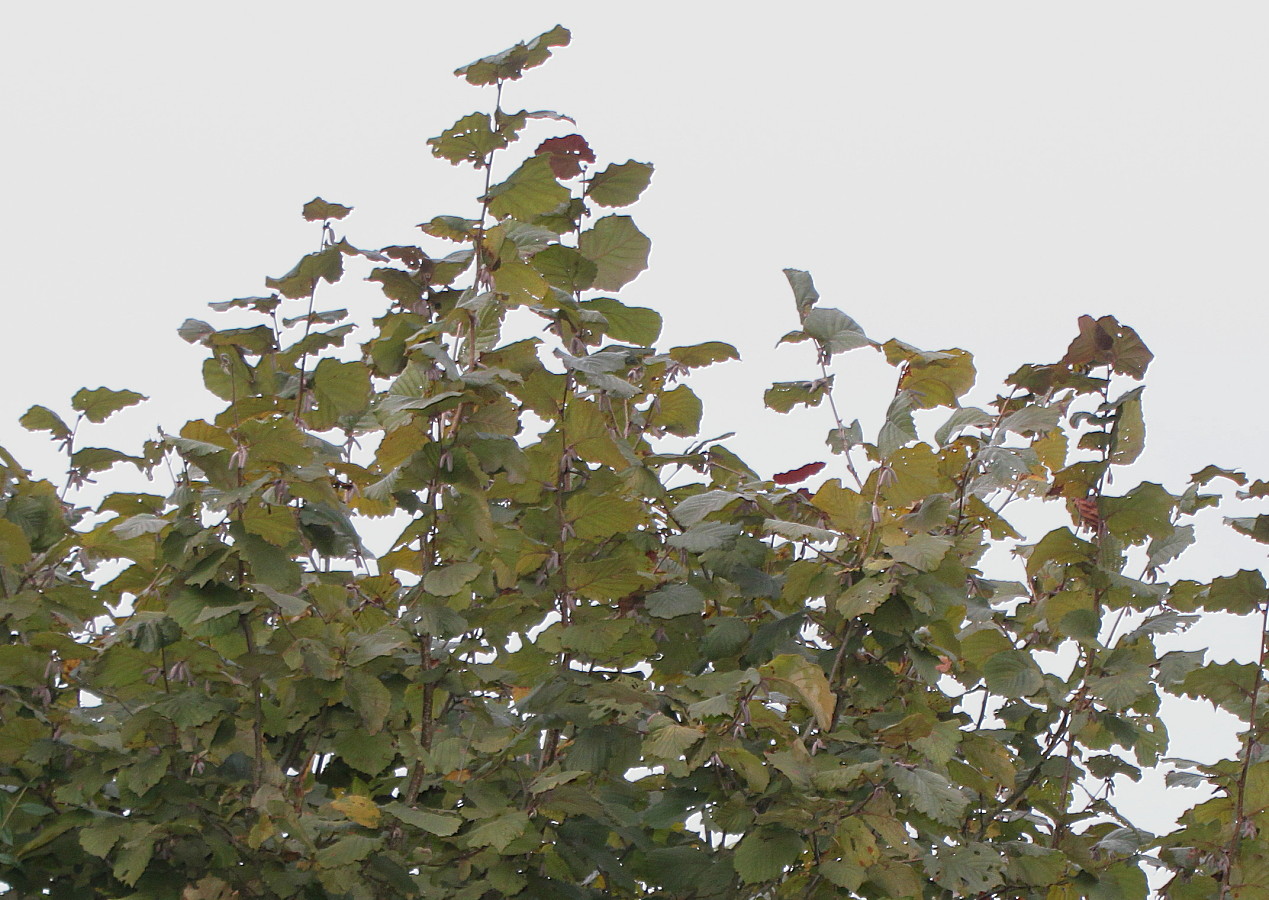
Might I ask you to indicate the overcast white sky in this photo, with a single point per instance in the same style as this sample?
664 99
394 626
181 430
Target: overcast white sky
975 174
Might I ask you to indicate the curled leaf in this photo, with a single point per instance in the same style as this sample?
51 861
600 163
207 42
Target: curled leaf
801 473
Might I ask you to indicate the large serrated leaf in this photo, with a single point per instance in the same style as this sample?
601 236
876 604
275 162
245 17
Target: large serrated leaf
620 184
930 793
618 249
100 404
763 854
1013 673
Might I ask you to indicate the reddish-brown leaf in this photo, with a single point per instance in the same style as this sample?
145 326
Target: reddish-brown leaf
801 473
1090 515
566 155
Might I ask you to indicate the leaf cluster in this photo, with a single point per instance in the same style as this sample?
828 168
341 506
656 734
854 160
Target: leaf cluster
575 672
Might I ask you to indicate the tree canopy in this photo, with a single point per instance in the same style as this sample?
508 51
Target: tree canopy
603 657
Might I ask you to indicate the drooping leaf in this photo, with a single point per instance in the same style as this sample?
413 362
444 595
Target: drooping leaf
804 293
40 418
811 685
834 331
318 209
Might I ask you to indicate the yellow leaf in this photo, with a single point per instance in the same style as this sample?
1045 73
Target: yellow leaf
810 683
361 810
260 832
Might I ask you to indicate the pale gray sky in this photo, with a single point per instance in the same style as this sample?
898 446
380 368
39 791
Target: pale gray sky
974 174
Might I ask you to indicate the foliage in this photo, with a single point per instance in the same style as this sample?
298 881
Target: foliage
574 673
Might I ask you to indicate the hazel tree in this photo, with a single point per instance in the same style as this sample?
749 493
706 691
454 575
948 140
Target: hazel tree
603 657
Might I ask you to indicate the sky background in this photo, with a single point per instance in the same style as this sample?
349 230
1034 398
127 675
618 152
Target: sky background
970 175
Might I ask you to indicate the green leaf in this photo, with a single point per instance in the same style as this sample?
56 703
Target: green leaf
804 293
341 388
932 378
15 549
301 281
368 696
634 324
724 637
318 209
1165 548
100 404
1031 420
98 459
347 850
40 418
511 63
452 228
499 831
618 249
620 184
678 411
269 564
967 417
698 506
531 190
446 581
930 794
669 740
605 579
133 857
1013 673
369 753
144 773
1128 435
276 524
899 429
99 839
705 536
675 600
973 869
796 531
834 331
923 552
1121 689
706 354
470 139
1059 546
784 395
442 824
865 596
763 853
139 525
566 268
